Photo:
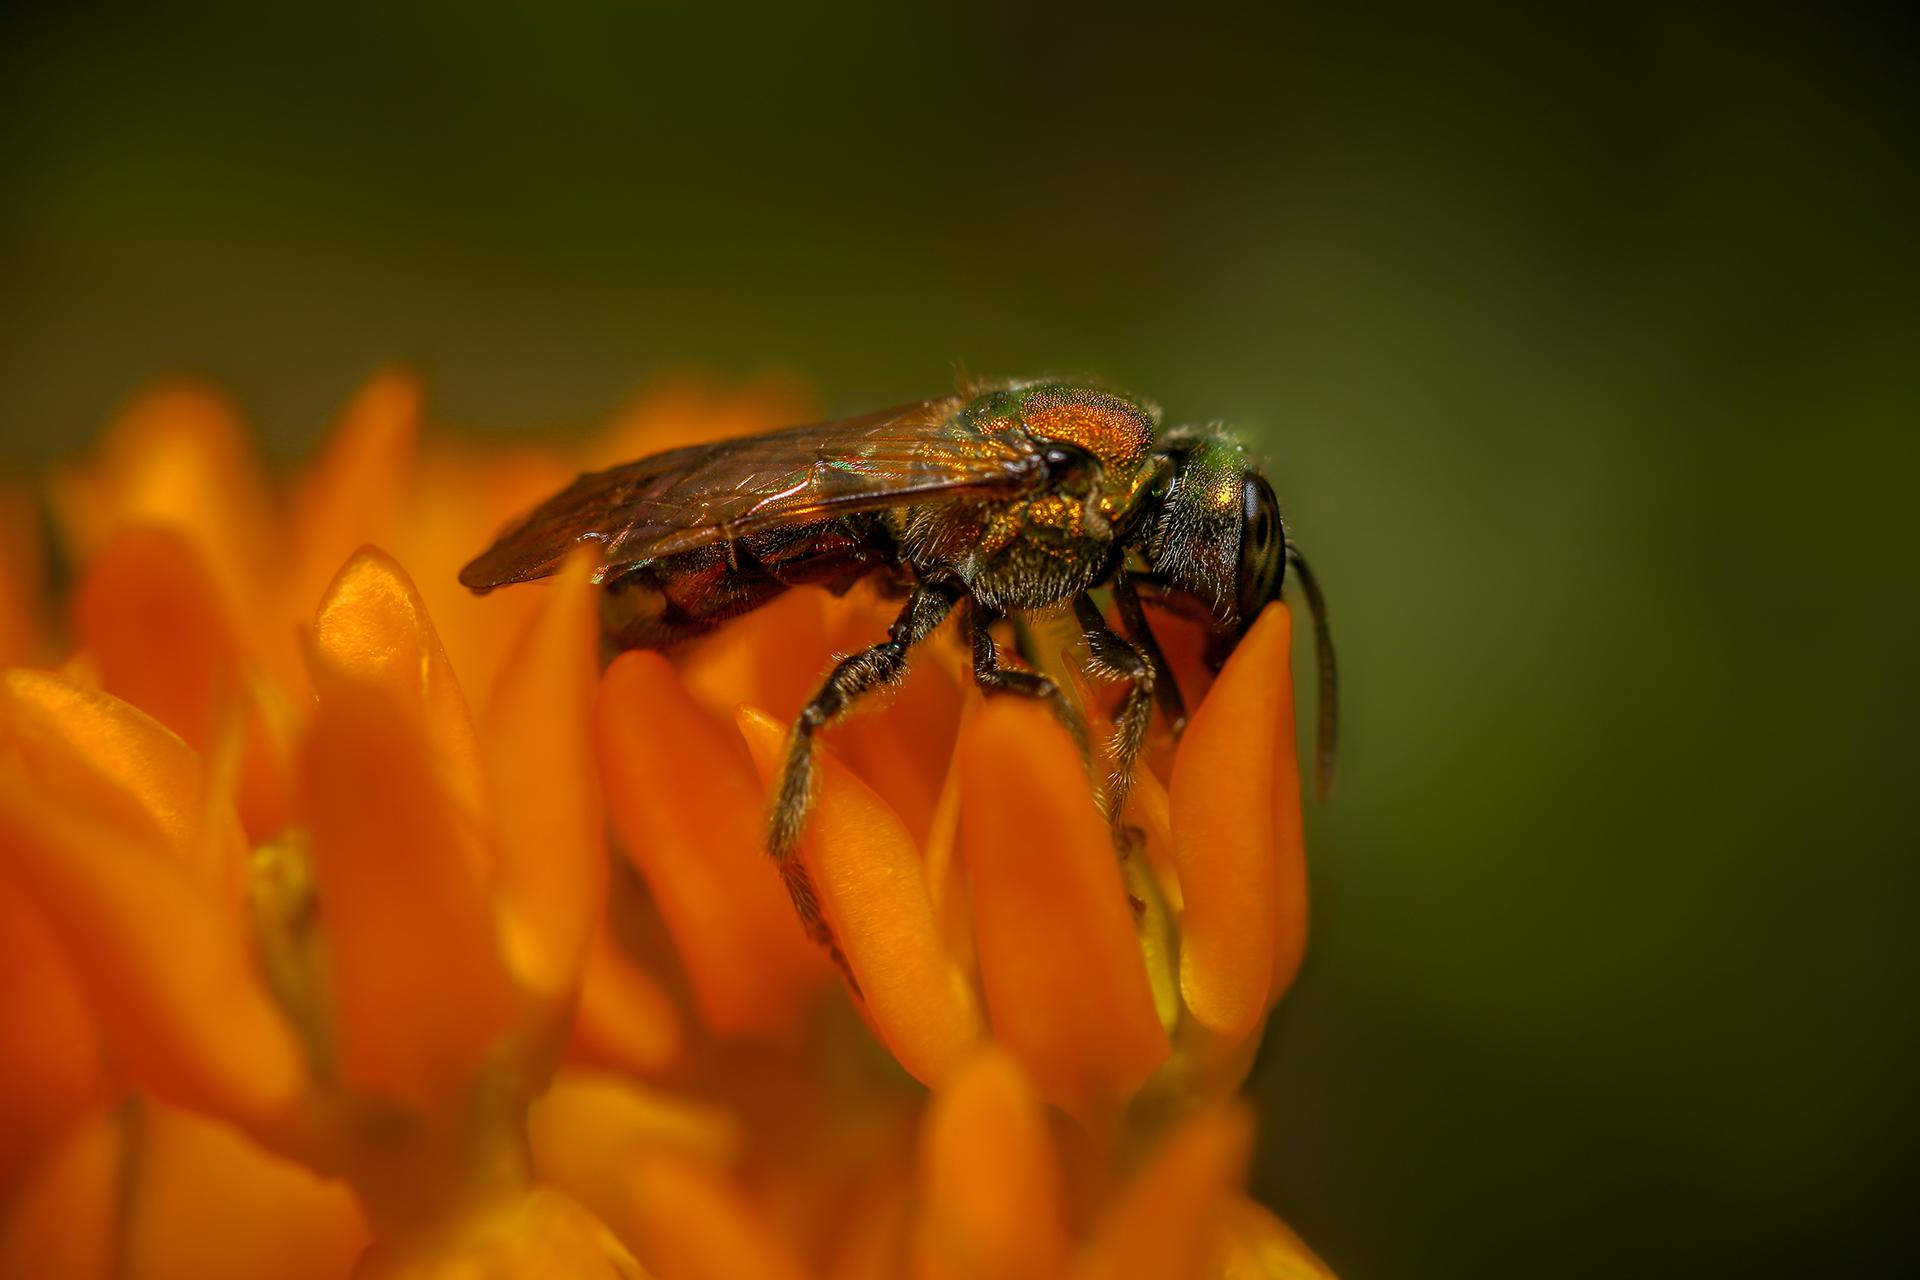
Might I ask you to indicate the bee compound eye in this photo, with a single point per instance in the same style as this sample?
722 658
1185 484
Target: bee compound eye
1261 558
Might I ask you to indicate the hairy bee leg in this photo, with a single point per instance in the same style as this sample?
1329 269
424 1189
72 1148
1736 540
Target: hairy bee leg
852 677
1133 621
1115 659
996 679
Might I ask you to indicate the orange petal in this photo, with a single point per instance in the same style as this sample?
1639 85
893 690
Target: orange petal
460 498
587 1129
64 1221
179 456
351 492
874 894
542 1235
624 1015
689 810
990 1181
373 626
207 1203
1222 806
1065 980
940 859
1261 1247
165 966
164 639
544 789
1168 1222
54 1068
774 657
873 1226
90 753
1290 847
418 987
690 1225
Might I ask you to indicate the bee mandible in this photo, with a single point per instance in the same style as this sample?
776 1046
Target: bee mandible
993 504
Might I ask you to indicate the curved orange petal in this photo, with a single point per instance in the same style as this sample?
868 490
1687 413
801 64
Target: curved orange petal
1066 983
1290 847
1222 808
164 963
690 1225
460 497
64 1222
351 492
373 626
1261 1247
54 1070
91 753
1168 1222
163 638
418 987
874 894
774 657
624 1015
688 807
543 789
586 1131
991 1197
1183 642
541 1236
180 456
205 1202
872 1237
940 858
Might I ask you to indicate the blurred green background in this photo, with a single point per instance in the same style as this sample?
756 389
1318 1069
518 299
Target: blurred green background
1583 349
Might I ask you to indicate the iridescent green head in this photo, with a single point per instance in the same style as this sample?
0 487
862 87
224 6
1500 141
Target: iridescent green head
1217 534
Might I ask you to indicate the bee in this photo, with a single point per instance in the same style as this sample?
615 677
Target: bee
992 504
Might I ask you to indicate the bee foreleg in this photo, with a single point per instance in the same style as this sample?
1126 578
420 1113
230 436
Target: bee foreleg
1116 659
1133 621
852 677
994 678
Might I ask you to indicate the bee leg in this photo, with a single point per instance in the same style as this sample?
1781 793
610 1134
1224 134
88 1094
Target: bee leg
995 679
1133 620
1111 657
853 676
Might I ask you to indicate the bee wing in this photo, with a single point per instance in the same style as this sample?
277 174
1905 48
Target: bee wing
688 498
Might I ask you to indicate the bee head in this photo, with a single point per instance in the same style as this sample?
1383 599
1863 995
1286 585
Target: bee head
1217 536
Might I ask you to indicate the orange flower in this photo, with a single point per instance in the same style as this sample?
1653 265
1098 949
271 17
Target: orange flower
301 934
970 878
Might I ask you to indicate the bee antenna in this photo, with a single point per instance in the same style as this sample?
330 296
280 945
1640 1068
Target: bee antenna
1327 734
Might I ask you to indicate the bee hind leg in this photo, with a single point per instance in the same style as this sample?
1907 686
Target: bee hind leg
852 677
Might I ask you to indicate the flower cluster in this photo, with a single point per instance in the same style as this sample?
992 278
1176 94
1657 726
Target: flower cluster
352 925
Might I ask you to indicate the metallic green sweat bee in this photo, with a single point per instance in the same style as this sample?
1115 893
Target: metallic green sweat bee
1021 498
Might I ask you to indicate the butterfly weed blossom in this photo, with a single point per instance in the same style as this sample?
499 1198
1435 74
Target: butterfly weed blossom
355 926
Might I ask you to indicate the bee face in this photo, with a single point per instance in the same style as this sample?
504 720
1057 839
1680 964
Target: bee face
1196 542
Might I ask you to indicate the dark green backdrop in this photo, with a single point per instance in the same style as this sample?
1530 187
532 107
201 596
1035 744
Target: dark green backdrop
1582 347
